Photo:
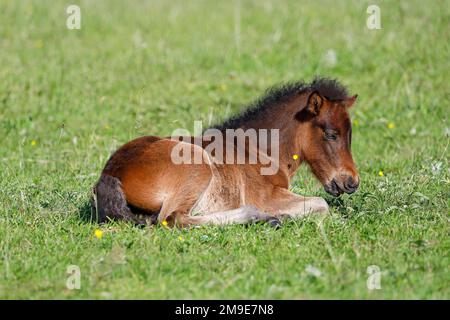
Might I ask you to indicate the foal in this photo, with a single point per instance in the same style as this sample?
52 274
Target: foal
142 184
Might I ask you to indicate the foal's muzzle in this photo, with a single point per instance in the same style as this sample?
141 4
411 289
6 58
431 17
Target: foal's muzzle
335 188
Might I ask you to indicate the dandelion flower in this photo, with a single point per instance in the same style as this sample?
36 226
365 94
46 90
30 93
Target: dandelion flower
38 44
33 142
391 125
180 238
164 223
98 233
381 173
295 156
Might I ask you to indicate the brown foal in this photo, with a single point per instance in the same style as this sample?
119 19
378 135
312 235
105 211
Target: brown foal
142 184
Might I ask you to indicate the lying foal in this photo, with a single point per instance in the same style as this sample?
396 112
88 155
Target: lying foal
143 184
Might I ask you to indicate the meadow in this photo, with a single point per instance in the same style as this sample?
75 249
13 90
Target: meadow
69 98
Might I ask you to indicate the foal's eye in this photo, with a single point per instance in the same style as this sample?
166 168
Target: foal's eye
330 135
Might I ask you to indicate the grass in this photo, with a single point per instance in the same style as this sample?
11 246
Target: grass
68 98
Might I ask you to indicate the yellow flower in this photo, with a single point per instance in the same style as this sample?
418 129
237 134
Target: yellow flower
223 87
381 173
38 44
33 142
391 125
98 233
164 223
295 156
355 122
180 238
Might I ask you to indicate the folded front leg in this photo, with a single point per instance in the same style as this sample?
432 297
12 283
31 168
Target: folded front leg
243 215
286 204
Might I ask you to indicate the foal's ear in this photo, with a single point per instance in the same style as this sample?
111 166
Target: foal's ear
350 101
315 102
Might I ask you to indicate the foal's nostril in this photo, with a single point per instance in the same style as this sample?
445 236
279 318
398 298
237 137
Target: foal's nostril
351 184
333 188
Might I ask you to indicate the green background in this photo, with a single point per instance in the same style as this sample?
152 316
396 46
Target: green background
68 98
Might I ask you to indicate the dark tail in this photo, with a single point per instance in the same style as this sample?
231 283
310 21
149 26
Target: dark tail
108 202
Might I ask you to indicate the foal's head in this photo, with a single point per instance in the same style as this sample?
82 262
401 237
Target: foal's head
326 142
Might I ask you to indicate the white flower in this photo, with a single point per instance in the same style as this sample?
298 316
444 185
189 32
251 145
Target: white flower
436 167
330 58
447 132
313 271
138 41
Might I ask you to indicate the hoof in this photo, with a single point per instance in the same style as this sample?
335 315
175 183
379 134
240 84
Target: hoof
274 222
320 206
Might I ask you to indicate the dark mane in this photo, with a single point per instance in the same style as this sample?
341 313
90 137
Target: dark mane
275 96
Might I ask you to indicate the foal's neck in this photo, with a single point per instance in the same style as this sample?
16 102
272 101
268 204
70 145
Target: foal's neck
282 117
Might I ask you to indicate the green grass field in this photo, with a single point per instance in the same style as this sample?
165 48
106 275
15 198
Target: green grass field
69 98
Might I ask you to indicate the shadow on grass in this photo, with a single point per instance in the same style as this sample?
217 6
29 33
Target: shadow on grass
88 215
335 202
339 205
85 213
